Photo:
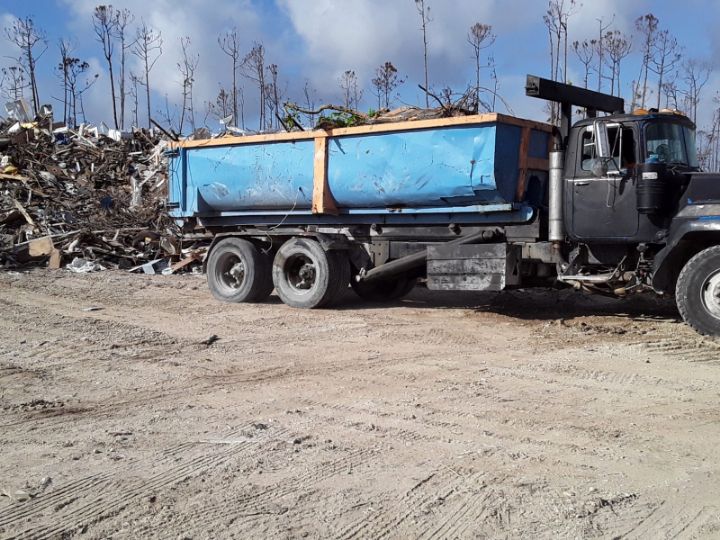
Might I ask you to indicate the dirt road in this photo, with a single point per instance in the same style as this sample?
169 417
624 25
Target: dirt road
522 415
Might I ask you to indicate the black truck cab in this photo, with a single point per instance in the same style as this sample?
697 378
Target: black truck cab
630 195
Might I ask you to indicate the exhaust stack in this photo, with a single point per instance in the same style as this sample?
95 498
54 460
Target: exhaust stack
556 224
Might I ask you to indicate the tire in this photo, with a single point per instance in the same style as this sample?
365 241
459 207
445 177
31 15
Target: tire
698 292
306 276
238 272
384 290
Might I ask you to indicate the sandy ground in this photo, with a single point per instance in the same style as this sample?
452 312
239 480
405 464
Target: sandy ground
519 415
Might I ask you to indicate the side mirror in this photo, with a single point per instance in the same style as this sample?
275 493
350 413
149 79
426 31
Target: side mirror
602 145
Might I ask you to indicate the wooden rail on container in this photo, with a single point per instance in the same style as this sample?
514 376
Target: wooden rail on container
323 202
322 199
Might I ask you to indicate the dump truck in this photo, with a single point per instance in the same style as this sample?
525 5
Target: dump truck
614 204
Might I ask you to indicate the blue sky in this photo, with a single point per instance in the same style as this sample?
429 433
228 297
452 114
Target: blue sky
316 40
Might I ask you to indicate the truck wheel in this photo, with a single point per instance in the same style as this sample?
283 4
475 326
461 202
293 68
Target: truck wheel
306 276
238 272
383 290
698 292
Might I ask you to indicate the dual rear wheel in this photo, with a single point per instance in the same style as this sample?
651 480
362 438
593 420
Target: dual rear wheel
302 272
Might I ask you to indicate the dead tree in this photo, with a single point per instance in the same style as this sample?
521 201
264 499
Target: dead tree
664 58
124 19
230 45
671 90
585 52
135 81
618 48
479 37
310 95
76 88
647 26
351 92
556 21
385 81
105 23
65 47
148 48
14 82
253 68
600 48
167 115
28 38
70 69
424 12
695 75
223 105
272 91
186 67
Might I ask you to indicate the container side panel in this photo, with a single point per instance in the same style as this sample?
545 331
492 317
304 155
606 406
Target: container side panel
539 144
432 167
258 176
507 159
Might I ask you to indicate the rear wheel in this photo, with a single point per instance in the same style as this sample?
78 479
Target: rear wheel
698 292
385 290
306 276
238 272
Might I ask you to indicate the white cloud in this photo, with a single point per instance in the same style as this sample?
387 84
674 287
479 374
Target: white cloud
319 39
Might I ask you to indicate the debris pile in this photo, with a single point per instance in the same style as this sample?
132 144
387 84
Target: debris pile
86 199
89 194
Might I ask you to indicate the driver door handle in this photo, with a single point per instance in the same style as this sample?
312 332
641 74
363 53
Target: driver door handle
583 183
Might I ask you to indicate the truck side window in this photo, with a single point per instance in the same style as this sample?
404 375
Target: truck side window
626 155
622 146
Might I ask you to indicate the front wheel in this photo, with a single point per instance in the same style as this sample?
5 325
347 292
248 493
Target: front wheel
698 292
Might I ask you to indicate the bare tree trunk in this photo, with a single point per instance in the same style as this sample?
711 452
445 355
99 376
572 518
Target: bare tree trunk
148 48
479 37
229 44
124 18
147 90
105 24
425 19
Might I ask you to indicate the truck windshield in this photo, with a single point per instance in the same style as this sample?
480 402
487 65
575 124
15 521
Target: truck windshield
670 143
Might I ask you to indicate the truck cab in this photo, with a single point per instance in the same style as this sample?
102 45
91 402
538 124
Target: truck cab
628 195
638 211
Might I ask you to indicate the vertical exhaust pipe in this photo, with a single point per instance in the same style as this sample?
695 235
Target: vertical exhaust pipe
556 223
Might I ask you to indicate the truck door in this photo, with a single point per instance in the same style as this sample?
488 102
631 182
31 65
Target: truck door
604 203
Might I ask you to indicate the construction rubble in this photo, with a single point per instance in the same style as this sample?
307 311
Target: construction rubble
85 199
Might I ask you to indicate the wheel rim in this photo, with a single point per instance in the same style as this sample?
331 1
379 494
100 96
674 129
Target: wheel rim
230 272
711 294
300 273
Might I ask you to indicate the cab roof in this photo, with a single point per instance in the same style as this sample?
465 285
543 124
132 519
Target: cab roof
641 116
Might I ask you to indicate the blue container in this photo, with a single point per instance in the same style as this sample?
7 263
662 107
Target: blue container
448 165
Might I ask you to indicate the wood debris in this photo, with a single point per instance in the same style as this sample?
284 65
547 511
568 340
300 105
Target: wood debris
83 194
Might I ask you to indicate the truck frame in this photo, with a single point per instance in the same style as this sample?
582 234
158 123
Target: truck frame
612 204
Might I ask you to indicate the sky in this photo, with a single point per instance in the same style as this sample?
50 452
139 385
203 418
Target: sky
317 40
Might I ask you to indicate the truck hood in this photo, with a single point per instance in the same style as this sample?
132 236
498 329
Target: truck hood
703 188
